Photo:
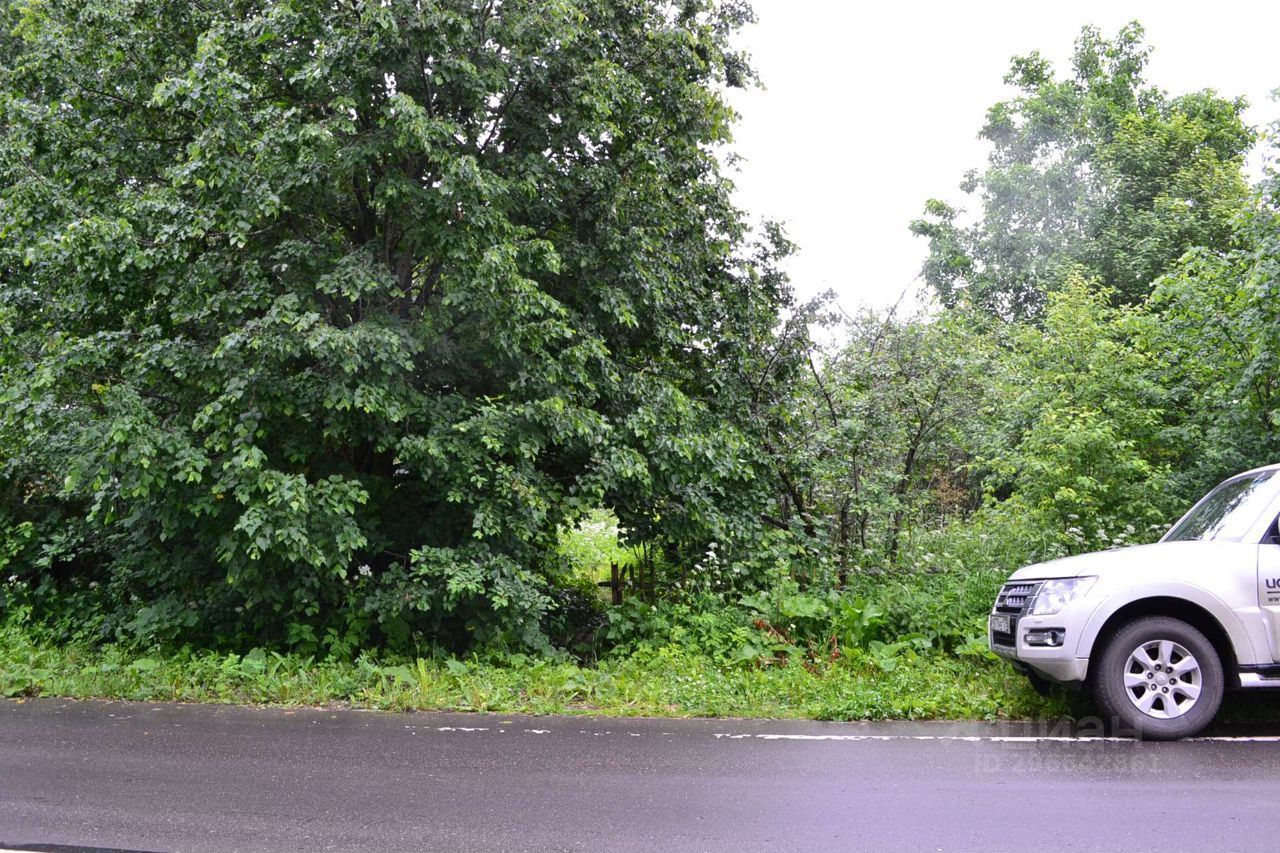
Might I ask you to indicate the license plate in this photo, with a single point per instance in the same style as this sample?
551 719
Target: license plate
1001 624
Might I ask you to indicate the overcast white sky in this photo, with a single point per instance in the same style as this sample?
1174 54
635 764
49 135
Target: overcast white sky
870 109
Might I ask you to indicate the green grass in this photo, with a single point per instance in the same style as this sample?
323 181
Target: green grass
662 682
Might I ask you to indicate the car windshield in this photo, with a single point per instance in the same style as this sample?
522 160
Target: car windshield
1228 512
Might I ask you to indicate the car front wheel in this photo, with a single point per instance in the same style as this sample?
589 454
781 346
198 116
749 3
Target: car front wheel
1159 678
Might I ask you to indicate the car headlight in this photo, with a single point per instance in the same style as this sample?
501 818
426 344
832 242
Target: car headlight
1057 594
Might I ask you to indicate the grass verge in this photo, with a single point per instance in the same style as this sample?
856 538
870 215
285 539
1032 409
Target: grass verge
658 682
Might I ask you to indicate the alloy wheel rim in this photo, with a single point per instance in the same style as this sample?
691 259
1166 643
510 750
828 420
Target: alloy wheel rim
1162 679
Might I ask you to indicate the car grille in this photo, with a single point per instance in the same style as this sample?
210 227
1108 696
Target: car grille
1014 597
1013 600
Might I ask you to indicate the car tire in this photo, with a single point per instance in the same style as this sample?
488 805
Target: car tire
1158 678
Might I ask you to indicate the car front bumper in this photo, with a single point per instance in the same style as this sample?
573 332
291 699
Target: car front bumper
1054 663
1049 664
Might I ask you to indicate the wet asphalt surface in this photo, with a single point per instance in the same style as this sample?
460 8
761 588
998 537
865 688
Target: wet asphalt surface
78 776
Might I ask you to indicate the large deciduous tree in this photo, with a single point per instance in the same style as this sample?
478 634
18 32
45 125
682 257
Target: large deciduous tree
1218 337
1094 169
323 316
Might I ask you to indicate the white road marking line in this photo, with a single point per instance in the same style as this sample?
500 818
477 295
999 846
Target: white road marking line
461 729
1240 739
1000 738
772 736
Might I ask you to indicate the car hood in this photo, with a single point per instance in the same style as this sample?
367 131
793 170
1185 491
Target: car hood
1160 559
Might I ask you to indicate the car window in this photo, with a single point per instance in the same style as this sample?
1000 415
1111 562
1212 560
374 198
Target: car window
1226 513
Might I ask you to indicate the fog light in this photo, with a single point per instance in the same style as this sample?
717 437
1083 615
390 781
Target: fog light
1046 637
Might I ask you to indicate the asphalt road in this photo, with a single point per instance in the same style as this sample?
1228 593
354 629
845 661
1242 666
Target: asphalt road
76 776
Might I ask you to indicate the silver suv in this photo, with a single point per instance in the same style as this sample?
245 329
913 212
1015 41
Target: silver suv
1158 632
